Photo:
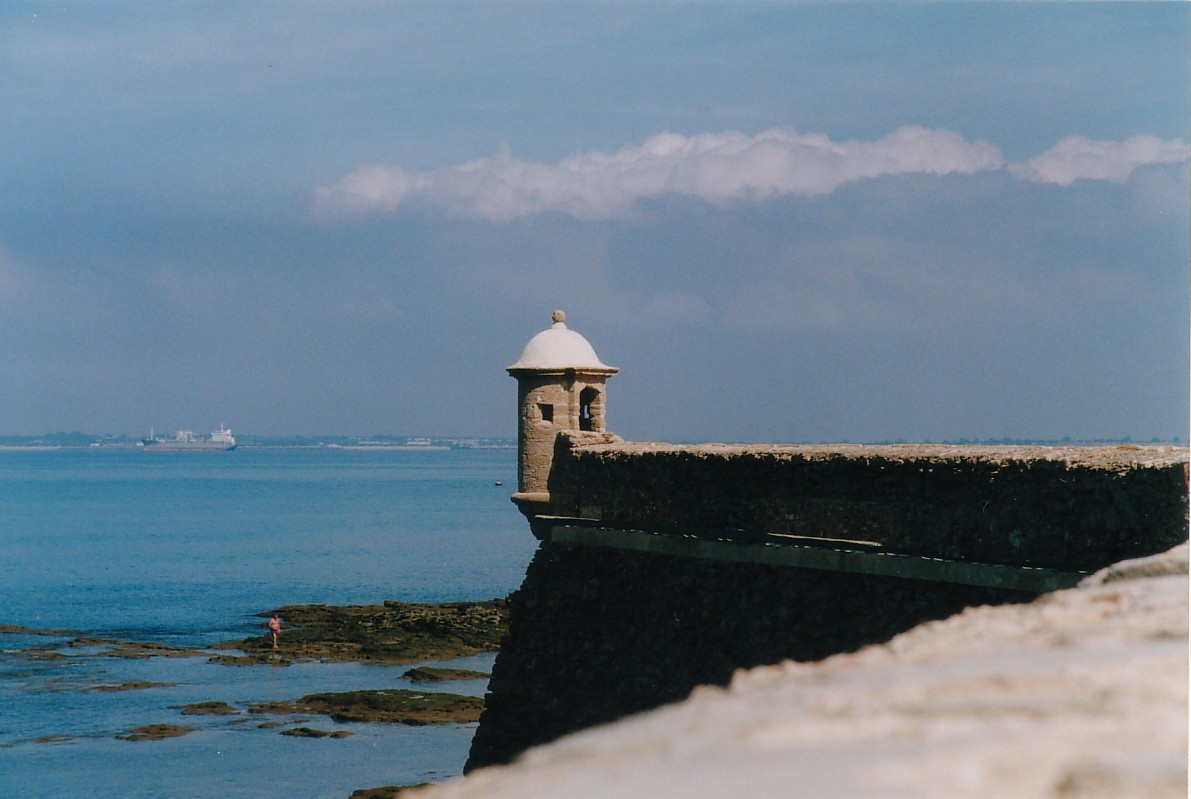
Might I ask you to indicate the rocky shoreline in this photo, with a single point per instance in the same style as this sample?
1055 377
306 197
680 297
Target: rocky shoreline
392 633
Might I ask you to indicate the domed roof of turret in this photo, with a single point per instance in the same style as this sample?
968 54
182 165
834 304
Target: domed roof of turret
559 347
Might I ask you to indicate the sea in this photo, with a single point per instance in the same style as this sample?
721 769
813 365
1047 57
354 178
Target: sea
188 549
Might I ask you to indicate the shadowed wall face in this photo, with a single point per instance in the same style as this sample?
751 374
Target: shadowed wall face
597 634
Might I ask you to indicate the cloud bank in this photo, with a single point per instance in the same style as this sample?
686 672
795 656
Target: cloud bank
1076 157
718 168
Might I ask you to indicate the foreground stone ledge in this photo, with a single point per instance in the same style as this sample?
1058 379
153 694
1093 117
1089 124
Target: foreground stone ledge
1081 693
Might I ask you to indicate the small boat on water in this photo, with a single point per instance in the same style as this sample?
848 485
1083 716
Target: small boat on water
186 441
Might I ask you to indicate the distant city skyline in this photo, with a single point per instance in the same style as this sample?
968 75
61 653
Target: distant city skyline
782 222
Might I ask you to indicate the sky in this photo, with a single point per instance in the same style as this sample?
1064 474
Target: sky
782 221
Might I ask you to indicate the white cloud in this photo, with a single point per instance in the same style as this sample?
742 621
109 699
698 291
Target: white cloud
718 168
1077 157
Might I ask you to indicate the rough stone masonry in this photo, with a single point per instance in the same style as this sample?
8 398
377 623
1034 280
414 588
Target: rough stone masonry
598 633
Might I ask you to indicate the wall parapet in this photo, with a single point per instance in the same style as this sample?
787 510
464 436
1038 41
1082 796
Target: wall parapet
1071 508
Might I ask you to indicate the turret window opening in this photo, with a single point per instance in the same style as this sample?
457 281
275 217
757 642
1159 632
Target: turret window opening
587 412
547 411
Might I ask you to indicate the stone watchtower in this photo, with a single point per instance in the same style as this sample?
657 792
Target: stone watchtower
560 386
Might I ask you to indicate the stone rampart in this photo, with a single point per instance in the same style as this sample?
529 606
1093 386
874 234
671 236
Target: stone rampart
1075 508
598 633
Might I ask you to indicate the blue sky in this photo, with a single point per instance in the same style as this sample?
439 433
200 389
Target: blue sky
783 221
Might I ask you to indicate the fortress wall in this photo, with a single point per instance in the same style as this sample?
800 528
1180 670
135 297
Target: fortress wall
597 634
1072 508
600 633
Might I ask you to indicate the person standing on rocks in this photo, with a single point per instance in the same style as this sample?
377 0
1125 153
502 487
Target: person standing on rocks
275 628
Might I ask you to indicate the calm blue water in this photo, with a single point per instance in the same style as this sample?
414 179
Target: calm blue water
184 549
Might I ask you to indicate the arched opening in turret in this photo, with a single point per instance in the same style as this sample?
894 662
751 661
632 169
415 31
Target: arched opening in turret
589 410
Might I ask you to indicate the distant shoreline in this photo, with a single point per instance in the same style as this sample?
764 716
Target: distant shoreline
347 447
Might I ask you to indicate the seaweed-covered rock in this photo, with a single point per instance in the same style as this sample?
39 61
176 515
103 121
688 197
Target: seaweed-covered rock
155 732
135 685
395 632
433 674
134 650
249 660
395 706
310 732
383 792
209 709
51 739
17 629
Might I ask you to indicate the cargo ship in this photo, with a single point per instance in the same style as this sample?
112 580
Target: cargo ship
221 440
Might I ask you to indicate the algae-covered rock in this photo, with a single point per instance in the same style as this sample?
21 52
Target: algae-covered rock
383 792
395 632
276 708
134 650
42 655
310 732
395 706
249 660
209 709
16 629
52 739
135 685
433 674
155 732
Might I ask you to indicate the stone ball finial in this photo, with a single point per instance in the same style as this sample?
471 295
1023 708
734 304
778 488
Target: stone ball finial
558 316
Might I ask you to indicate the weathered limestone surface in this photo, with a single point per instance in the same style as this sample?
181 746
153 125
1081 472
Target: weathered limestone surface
1068 508
1080 694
